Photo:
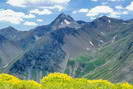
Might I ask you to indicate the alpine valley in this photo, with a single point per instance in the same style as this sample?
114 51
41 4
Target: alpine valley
101 49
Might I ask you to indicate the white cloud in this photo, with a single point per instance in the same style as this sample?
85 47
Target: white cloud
130 7
108 0
29 16
11 16
125 12
58 1
117 14
30 23
82 10
58 7
18 3
74 12
39 20
120 7
104 3
25 3
41 12
94 0
106 10
115 0
99 10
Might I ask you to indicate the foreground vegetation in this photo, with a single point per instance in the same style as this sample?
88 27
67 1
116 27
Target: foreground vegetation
58 81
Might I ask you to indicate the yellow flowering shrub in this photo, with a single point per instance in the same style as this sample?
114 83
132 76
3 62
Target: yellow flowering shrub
124 86
57 76
28 84
6 85
63 81
55 80
58 81
9 78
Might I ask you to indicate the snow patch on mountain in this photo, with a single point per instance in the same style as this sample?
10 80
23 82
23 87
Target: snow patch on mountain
67 22
91 43
109 21
37 37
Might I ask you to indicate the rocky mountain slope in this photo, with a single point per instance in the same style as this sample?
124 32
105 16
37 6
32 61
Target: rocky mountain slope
82 49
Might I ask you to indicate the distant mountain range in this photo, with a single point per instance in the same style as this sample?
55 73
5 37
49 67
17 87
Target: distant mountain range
101 49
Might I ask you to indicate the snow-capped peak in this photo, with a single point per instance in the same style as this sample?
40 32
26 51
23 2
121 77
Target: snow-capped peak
63 21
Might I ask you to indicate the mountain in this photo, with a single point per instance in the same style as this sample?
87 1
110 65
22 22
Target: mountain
63 21
94 49
10 33
8 52
110 61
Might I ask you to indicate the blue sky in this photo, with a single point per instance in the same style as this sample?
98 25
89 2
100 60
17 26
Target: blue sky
27 14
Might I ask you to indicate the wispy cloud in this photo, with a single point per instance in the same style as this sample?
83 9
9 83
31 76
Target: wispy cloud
130 7
99 10
108 0
29 16
58 7
119 7
27 23
26 3
82 10
115 12
11 16
14 17
41 12
39 20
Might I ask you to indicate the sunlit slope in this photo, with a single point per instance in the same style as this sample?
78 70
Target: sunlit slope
112 62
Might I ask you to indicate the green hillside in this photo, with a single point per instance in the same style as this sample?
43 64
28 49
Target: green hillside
111 61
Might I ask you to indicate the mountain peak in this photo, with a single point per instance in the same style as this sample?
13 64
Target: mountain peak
9 28
62 21
62 15
65 16
9 32
104 18
107 19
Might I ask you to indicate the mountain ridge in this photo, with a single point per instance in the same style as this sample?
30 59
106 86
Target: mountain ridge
52 48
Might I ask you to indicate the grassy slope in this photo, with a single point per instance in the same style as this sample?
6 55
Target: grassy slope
105 62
